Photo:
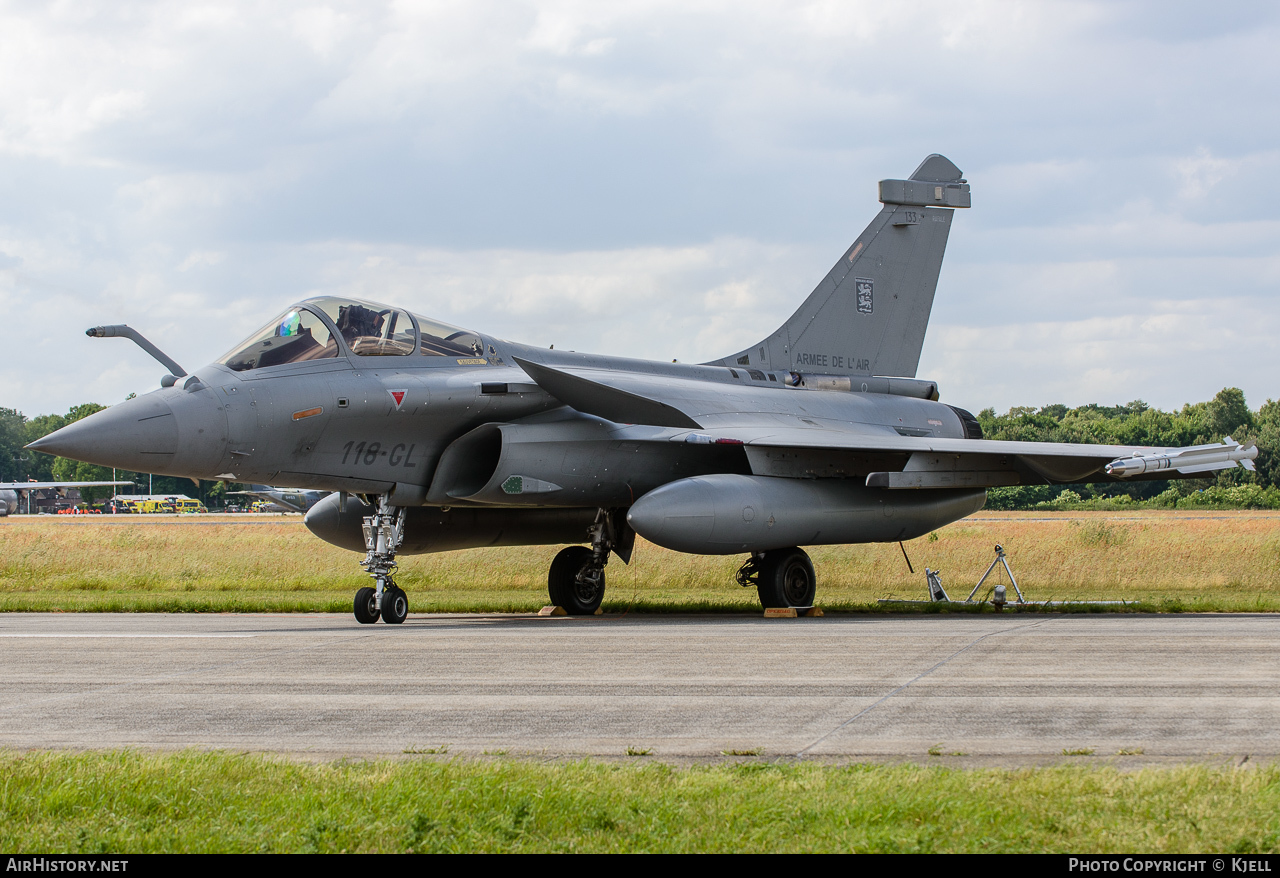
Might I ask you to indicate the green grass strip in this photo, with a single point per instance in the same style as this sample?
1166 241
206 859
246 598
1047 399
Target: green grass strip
1170 562
130 802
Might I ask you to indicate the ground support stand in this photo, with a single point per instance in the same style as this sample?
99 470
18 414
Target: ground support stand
1000 559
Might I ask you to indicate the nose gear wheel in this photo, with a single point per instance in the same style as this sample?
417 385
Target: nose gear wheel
383 534
366 606
395 605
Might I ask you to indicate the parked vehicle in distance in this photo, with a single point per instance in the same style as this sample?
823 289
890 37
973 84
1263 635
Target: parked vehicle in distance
152 504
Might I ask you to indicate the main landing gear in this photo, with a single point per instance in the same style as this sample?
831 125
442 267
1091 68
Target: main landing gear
782 577
383 534
576 579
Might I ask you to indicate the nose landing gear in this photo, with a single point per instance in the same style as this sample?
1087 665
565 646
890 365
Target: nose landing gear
383 534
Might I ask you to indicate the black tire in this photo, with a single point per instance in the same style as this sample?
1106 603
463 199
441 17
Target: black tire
366 606
395 605
577 598
786 579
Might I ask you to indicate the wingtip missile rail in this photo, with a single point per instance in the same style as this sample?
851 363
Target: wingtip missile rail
1197 459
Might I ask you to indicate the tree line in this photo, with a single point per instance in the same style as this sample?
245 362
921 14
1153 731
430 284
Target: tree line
1137 423
1134 423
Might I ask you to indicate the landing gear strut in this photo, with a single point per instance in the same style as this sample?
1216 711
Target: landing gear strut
383 534
576 579
782 578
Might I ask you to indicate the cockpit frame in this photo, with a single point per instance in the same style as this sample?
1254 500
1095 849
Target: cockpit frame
326 327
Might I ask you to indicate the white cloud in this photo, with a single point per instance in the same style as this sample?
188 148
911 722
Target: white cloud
650 178
635 302
1171 353
1201 172
201 259
324 28
166 196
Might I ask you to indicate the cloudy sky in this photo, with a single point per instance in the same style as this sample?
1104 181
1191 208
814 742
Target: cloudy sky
656 179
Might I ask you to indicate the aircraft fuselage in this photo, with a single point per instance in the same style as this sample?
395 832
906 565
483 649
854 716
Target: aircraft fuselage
373 425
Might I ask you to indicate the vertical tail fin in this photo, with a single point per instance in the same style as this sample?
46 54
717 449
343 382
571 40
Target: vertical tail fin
870 313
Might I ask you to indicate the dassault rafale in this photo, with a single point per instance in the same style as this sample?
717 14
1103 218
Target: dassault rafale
435 438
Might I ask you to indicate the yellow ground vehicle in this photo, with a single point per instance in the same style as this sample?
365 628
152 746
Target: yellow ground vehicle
154 505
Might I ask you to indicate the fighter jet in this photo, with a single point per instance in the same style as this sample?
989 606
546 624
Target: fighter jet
437 438
286 498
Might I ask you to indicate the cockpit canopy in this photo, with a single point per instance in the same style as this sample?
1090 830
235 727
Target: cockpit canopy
328 327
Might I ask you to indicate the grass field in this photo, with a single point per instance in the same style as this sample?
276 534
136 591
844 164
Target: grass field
191 802
1176 561
216 802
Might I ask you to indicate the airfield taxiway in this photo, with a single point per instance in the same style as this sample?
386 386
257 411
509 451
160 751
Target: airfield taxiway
1009 688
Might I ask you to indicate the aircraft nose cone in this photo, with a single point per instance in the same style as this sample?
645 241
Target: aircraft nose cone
137 434
168 432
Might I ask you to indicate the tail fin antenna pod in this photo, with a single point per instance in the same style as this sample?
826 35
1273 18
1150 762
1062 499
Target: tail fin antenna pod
868 316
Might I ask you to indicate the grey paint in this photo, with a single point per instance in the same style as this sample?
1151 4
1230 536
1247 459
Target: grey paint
580 461
731 514
123 331
826 423
433 529
290 498
869 314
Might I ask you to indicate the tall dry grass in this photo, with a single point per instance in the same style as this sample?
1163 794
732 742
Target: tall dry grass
1176 560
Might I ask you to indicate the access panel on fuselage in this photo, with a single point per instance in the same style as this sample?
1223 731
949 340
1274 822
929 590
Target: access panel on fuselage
379 429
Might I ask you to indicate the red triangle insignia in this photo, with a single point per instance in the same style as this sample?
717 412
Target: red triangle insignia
398 396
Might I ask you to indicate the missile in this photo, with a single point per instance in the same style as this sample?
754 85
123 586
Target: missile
1196 459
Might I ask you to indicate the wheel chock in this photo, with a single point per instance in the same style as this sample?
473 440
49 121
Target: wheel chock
552 611
793 612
